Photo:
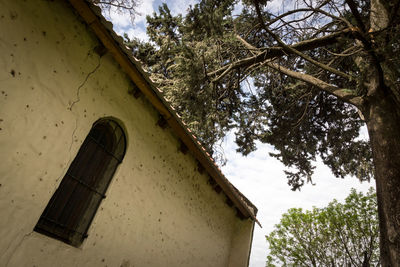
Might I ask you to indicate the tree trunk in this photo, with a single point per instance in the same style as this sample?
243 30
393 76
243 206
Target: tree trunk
383 122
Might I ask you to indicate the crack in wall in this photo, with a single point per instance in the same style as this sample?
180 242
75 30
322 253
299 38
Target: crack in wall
70 108
79 99
82 84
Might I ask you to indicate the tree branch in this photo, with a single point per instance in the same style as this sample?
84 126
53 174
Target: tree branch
346 95
118 5
272 52
293 11
290 12
296 52
356 14
251 48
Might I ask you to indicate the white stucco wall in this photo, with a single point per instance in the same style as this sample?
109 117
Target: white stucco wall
159 210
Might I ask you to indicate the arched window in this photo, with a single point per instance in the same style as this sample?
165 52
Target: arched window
72 207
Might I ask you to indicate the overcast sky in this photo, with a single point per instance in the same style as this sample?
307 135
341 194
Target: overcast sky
257 176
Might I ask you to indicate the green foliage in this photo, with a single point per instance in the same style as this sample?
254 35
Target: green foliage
197 61
179 51
338 235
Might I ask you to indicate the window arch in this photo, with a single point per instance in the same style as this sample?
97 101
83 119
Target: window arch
72 207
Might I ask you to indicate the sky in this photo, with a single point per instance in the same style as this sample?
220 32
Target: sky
258 176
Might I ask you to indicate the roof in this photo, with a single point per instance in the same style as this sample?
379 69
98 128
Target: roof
103 29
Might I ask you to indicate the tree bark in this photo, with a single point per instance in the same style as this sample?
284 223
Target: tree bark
383 123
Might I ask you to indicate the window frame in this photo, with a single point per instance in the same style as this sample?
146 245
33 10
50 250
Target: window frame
73 206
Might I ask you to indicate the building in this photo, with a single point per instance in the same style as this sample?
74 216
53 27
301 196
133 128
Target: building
96 169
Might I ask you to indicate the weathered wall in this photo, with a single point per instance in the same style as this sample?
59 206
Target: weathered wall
159 210
241 242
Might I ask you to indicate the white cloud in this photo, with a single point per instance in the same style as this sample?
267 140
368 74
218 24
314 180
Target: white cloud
261 179
238 9
145 8
119 19
137 32
122 22
179 6
278 5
